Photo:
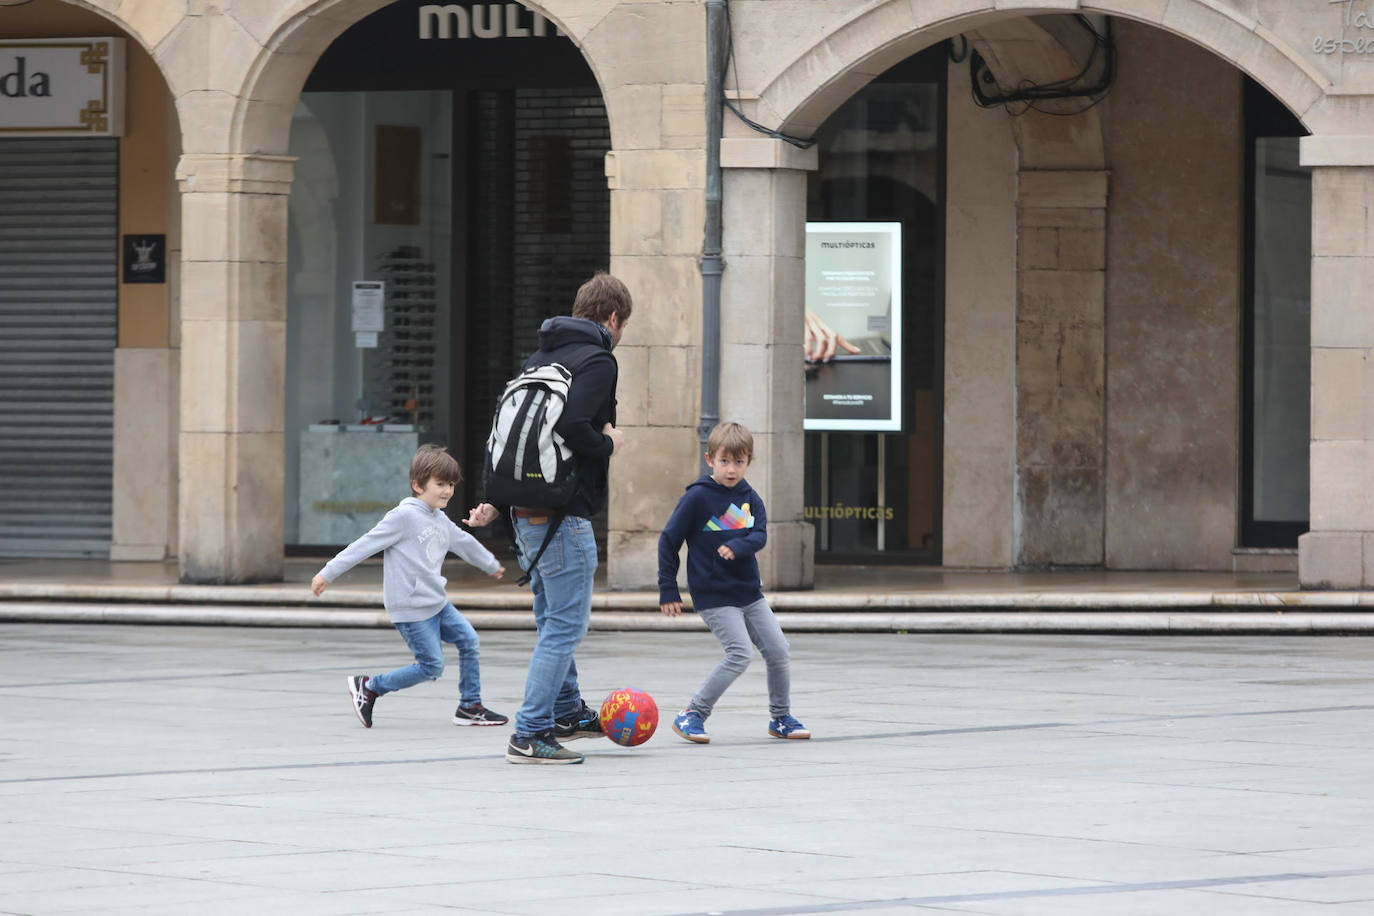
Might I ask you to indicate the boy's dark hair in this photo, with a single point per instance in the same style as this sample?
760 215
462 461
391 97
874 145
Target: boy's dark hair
601 297
434 461
732 440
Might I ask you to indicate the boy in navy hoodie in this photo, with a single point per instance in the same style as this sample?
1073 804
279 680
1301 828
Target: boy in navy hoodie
415 537
724 524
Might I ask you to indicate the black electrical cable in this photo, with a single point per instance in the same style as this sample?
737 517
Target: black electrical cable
799 142
960 56
1032 93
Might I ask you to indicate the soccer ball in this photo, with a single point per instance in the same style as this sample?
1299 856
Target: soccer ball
629 716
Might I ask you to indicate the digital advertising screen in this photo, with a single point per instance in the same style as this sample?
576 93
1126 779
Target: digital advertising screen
853 327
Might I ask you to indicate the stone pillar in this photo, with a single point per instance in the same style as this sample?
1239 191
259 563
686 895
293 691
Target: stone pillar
1338 551
1060 342
657 212
233 366
763 304
144 453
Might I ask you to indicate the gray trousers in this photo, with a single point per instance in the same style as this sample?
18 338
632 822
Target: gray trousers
737 628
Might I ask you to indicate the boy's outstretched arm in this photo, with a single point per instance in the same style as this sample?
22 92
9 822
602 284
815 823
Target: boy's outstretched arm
383 535
471 551
669 545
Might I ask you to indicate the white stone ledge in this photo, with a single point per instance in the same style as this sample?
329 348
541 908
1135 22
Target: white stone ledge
1335 151
797 622
289 597
766 153
235 173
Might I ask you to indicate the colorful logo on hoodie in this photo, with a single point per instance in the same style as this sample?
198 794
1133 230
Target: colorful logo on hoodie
732 518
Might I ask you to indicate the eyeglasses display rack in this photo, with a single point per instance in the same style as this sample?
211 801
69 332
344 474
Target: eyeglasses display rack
399 371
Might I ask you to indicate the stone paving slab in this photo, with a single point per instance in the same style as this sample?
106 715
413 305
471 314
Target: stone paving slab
175 770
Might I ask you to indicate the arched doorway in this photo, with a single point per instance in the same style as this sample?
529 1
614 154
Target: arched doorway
1094 307
449 194
88 241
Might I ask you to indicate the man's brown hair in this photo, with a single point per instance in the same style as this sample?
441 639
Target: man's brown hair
730 440
601 297
434 461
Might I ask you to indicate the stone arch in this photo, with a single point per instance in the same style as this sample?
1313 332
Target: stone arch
142 28
800 91
804 91
292 43
1024 49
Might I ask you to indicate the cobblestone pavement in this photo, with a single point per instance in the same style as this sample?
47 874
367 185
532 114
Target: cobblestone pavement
196 770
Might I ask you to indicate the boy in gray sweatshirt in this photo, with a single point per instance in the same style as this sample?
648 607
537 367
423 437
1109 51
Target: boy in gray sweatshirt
416 536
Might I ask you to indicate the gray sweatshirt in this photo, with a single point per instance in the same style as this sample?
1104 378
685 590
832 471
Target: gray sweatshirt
416 539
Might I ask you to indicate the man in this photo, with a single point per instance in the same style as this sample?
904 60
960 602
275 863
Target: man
553 708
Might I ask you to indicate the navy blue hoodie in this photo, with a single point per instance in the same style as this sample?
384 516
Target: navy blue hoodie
707 516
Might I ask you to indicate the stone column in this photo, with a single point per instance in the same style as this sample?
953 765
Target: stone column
233 366
1338 551
657 211
763 305
1060 342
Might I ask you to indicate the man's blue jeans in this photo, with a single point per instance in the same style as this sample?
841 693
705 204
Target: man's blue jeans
562 586
426 639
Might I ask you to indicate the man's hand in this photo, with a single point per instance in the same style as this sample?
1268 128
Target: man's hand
319 584
617 437
501 571
671 608
484 514
821 340
725 552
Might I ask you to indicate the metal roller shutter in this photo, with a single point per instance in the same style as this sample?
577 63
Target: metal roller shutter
58 299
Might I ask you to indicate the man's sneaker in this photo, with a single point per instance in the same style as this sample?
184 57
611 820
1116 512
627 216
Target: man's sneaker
585 723
477 715
362 698
691 726
539 749
788 727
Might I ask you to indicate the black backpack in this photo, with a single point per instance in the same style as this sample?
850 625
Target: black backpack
527 462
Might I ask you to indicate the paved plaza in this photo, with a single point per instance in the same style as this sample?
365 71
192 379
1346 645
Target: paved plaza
198 770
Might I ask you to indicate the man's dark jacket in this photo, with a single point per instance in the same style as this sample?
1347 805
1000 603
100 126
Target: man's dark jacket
583 347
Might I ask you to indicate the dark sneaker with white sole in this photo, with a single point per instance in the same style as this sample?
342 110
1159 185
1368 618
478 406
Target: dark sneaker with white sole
362 698
477 714
539 749
585 723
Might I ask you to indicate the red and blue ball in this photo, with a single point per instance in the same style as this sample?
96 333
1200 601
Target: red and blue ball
629 716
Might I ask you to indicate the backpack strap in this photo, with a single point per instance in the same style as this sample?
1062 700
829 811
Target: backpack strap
548 539
582 355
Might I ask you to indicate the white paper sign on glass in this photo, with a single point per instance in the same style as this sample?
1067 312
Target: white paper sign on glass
369 299
853 327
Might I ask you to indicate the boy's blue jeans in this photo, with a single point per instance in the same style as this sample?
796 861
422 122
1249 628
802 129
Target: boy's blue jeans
562 587
426 639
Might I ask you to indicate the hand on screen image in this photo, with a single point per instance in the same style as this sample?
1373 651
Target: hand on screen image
822 341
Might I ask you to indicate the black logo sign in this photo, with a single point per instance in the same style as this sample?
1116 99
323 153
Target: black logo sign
145 259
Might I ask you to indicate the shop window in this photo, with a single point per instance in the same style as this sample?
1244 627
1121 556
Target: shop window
1277 361
368 373
875 496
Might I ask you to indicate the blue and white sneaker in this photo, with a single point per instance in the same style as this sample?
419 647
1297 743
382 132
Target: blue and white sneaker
788 727
692 726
